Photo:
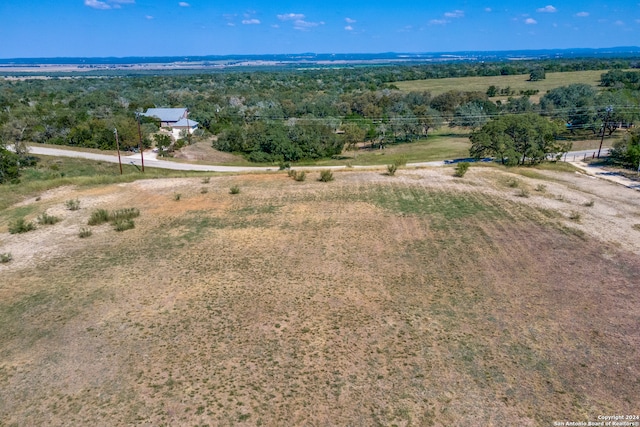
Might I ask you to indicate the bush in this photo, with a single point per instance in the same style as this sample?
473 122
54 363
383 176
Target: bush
123 224
461 169
590 203
391 169
575 216
326 176
204 190
21 226
98 217
284 165
300 176
541 188
234 190
400 161
73 204
46 219
85 232
5 257
206 180
121 214
177 197
523 193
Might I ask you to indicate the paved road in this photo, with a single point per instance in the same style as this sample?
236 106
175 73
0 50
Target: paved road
151 161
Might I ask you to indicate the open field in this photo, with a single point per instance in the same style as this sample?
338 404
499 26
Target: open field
508 297
517 83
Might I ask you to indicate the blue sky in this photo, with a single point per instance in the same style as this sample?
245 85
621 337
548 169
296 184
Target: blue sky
97 28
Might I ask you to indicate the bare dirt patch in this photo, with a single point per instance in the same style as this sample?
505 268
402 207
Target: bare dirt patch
420 299
202 151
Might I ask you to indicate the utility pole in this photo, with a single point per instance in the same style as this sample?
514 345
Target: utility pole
604 127
118 147
140 141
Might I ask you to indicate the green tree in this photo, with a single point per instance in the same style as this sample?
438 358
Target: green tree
627 150
514 139
537 74
352 134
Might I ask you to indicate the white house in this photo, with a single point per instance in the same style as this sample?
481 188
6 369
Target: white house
175 118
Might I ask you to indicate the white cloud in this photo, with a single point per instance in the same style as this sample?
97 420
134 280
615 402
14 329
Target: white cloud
438 22
97 4
547 9
619 23
530 21
149 17
303 25
454 14
582 14
487 9
184 4
350 21
348 28
107 4
252 21
298 21
291 17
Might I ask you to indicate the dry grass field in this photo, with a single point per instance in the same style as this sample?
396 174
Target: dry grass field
517 82
502 298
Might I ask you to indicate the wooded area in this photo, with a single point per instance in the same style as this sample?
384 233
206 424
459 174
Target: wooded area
291 115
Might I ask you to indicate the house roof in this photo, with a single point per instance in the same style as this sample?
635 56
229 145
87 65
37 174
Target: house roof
185 123
166 114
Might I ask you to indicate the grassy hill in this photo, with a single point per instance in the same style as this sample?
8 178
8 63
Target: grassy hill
509 297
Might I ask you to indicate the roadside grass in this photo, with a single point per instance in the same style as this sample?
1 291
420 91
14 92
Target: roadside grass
440 145
373 303
517 82
53 172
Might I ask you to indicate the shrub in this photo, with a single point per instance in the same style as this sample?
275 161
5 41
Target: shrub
206 180
300 176
513 183
21 226
5 257
461 169
123 224
575 216
326 176
46 219
590 203
99 216
291 173
541 188
85 232
234 190
391 169
127 213
523 193
400 161
284 165
204 190
73 204
177 196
